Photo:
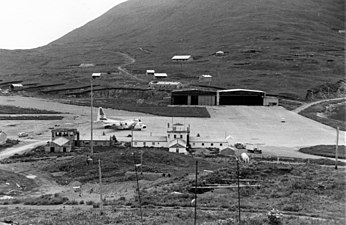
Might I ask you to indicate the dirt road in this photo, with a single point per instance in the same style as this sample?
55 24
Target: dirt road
307 105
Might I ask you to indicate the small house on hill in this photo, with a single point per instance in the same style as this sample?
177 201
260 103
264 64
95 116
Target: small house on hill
16 87
182 58
160 75
220 53
205 78
150 72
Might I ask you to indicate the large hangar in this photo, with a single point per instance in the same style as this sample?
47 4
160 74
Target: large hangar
222 97
240 97
193 97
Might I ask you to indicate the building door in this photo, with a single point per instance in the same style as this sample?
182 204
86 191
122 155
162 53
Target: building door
194 99
64 149
51 149
177 150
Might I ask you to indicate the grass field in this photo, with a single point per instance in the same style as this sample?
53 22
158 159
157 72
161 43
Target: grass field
31 117
7 109
325 151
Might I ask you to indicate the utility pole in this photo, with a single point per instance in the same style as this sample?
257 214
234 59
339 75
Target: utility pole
195 221
100 178
139 194
238 190
91 115
336 148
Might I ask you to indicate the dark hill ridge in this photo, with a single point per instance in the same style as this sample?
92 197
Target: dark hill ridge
282 46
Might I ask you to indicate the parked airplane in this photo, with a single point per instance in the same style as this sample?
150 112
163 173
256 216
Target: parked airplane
135 124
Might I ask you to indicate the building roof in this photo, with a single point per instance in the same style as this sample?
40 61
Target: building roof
177 143
219 52
207 139
234 90
165 82
150 138
61 141
193 91
150 71
181 57
160 74
206 75
17 85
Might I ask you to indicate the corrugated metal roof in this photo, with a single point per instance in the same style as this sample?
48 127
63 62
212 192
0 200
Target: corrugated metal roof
150 71
160 74
150 138
207 139
61 141
181 57
233 90
17 85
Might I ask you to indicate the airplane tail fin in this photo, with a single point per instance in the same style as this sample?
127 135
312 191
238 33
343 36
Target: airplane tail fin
101 115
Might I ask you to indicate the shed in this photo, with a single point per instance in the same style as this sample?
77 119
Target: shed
182 58
160 75
150 72
205 78
15 87
219 53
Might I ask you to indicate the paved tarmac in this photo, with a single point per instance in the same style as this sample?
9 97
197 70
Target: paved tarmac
275 130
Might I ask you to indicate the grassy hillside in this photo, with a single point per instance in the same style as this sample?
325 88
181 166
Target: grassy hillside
283 46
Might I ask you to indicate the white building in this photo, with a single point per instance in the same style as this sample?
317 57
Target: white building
182 58
160 75
219 53
205 78
178 140
165 85
16 87
150 72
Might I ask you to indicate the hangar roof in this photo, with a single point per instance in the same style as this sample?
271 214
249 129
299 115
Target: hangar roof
193 92
234 90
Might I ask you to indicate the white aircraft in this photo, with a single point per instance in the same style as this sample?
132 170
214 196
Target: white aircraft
135 124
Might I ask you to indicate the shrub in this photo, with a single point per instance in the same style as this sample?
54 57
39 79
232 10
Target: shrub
274 217
90 202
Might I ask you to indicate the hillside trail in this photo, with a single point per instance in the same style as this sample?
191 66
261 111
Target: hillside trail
307 105
129 60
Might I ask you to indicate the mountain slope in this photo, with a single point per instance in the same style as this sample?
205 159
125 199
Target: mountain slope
282 46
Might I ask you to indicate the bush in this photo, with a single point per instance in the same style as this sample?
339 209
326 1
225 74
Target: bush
90 202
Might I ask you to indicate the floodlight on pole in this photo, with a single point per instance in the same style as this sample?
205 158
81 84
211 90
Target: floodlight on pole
93 76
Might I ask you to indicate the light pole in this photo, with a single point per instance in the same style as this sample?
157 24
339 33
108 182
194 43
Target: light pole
93 76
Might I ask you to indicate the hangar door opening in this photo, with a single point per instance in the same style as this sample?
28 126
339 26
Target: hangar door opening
179 100
241 98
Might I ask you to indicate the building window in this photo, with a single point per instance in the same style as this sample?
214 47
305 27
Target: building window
181 136
175 136
169 135
193 144
153 143
144 143
220 144
177 150
211 144
202 144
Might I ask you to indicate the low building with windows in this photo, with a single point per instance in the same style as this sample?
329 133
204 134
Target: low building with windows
63 140
150 72
16 87
178 140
